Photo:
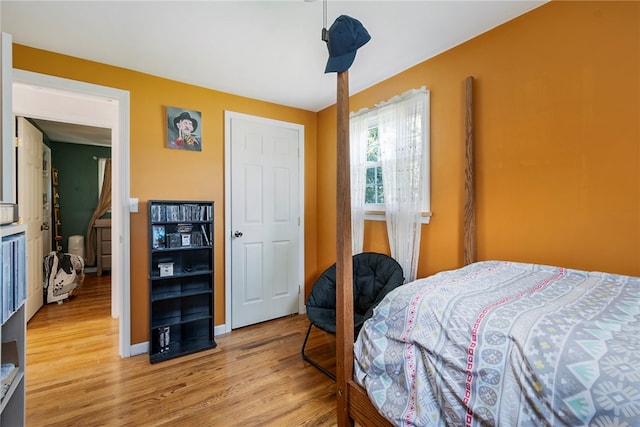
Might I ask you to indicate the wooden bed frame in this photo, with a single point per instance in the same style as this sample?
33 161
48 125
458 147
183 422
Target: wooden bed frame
353 403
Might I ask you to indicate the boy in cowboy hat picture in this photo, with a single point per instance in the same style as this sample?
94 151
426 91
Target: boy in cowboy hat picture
181 134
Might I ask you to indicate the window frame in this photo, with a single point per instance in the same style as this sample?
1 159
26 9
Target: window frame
377 211
372 207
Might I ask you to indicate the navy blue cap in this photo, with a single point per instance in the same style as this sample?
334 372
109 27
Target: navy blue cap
346 36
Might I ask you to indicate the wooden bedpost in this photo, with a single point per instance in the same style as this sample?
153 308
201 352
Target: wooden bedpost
344 261
470 246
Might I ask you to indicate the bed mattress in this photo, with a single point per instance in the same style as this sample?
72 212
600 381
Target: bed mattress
508 344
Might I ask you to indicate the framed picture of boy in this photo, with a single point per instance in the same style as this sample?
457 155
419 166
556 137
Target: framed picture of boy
184 129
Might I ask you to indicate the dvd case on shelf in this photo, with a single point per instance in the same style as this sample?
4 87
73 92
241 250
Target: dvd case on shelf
158 236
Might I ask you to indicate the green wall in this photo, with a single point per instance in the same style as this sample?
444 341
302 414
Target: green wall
77 184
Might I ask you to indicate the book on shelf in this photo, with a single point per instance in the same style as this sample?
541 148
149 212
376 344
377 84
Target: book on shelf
21 285
158 236
196 238
8 372
184 228
7 282
158 213
10 365
13 274
204 233
160 332
164 338
180 212
174 240
155 213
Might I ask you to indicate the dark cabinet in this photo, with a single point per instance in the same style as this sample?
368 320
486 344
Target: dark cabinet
180 278
103 245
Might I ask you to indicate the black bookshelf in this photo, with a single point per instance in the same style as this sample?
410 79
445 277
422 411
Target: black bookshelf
180 278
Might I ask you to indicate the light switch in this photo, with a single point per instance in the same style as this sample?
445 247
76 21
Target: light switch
133 204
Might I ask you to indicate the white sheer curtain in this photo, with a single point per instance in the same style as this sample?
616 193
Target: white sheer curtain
402 129
358 136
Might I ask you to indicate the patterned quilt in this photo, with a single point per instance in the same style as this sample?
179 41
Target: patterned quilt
506 344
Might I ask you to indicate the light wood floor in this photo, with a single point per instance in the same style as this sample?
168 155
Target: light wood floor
255 377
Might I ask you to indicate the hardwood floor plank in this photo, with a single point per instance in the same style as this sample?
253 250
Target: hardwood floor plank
256 375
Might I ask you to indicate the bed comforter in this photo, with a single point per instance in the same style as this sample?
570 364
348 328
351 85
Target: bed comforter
507 344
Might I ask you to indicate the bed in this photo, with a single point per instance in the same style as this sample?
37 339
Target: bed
491 343
505 343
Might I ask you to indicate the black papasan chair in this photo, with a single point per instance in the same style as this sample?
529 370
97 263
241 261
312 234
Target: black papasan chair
374 276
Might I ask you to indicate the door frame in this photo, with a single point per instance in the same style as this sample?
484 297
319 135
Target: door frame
46 152
53 98
228 279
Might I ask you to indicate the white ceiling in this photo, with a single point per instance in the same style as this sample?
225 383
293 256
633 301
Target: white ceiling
267 50
74 134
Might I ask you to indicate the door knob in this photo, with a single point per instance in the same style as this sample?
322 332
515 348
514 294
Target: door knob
238 234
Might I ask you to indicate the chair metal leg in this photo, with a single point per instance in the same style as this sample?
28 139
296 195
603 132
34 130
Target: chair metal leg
313 362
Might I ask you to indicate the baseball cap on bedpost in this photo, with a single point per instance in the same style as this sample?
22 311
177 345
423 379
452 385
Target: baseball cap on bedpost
346 36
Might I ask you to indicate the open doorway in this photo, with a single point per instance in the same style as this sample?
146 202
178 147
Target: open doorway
56 99
79 157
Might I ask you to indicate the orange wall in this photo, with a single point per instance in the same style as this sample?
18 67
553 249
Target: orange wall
161 173
557 104
557 128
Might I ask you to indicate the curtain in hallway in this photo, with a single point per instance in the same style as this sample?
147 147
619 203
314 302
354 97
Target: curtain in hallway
104 204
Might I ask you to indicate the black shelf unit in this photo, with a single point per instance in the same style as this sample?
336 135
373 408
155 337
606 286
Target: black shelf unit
180 278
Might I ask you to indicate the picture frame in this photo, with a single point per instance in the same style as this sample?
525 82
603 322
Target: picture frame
184 129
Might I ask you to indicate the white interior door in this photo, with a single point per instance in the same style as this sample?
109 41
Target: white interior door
265 219
47 245
30 207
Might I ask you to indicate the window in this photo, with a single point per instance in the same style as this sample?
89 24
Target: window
390 174
385 126
374 194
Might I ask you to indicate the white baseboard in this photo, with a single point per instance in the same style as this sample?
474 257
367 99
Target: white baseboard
137 349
